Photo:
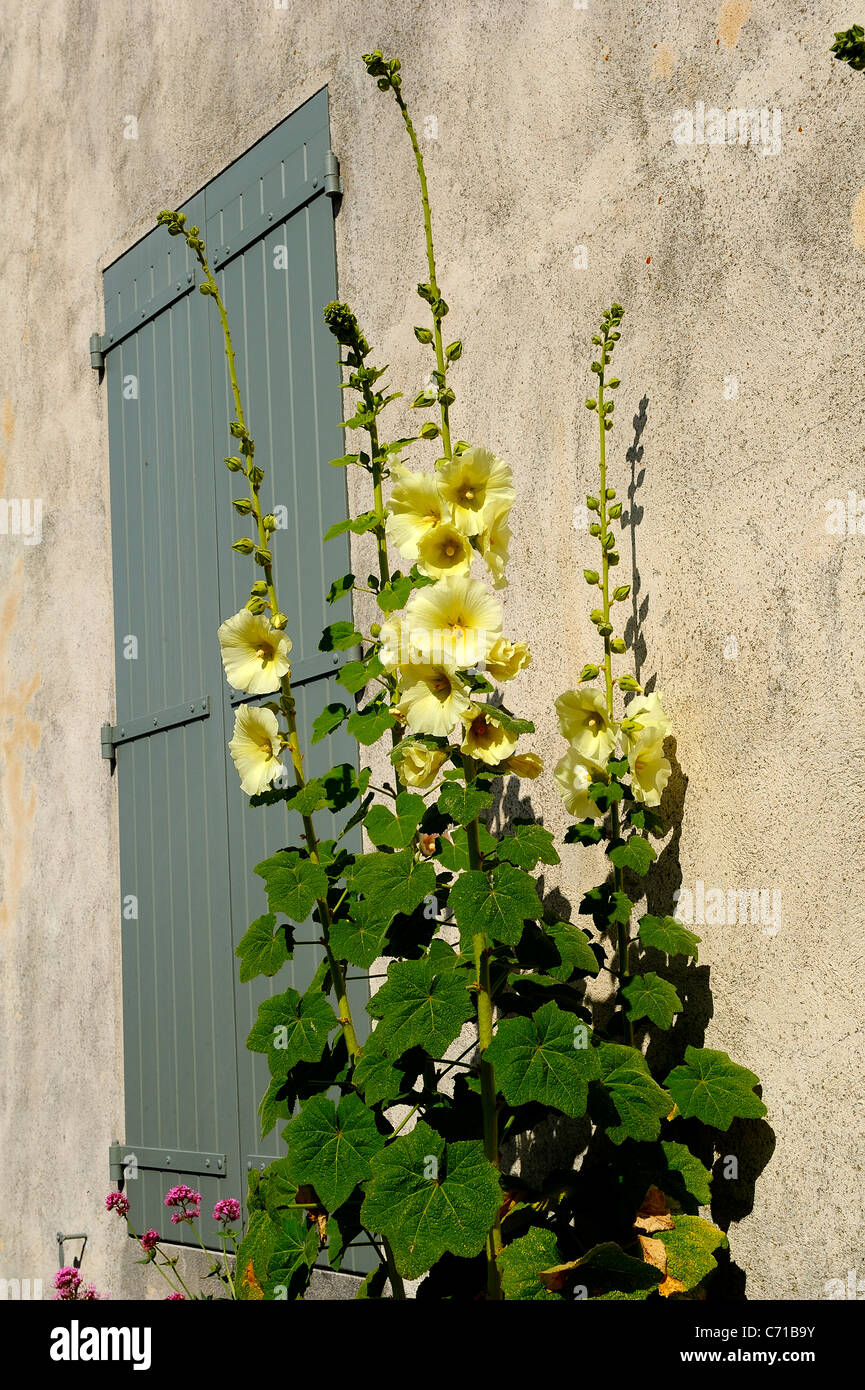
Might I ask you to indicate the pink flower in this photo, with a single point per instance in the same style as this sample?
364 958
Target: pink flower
149 1240
115 1201
169 1297
69 1287
189 1202
227 1210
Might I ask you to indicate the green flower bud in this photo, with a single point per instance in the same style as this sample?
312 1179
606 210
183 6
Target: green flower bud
621 592
242 505
614 382
596 366
234 464
430 430
610 493
375 630
279 621
590 576
423 335
206 288
263 555
256 605
259 587
454 350
613 558
588 673
594 529
256 475
608 424
593 504
269 522
617 645
244 546
597 615
628 683
616 511
591 405
605 629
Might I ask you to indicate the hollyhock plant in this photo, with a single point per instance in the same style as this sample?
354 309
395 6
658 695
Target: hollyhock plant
381 1140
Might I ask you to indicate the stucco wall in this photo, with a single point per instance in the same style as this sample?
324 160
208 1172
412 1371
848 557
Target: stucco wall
555 131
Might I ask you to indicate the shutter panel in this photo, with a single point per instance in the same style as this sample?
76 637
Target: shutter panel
188 839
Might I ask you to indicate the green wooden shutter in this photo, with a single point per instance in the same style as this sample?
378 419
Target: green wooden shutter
188 838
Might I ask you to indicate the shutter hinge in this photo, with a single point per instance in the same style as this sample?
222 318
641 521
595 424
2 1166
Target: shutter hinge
116 1152
332 178
97 355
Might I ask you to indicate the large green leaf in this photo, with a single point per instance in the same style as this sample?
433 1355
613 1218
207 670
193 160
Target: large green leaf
375 1075
293 883
263 948
497 904
668 935
529 845
253 1254
694 1175
635 854
547 1058
358 939
330 1146
421 1004
330 718
428 1197
391 883
292 1028
396 831
605 1273
640 1102
651 997
463 803
713 1089
453 853
294 1252
368 725
521 1263
691 1247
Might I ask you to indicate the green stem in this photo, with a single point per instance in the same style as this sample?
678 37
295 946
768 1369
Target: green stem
288 703
397 1287
488 1081
623 931
430 255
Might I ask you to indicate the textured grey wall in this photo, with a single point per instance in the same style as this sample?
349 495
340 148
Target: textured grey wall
555 132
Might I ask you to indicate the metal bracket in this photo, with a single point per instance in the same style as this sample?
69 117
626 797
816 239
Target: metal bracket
113 734
61 1238
332 178
97 356
205 1165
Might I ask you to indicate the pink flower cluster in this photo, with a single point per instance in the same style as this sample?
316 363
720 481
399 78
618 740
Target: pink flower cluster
69 1286
172 1297
188 1201
227 1210
115 1201
149 1240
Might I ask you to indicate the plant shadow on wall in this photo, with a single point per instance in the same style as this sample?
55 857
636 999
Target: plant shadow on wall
383 1144
549 1156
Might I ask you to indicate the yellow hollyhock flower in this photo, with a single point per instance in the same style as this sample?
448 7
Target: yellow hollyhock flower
574 775
524 765
455 620
506 659
485 738
414 508
648 711
650 770
494 543
477 485
255 748
585 724
445 550
254 654
419 766
434 701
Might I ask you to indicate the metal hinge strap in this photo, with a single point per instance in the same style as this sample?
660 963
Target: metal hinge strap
188 713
